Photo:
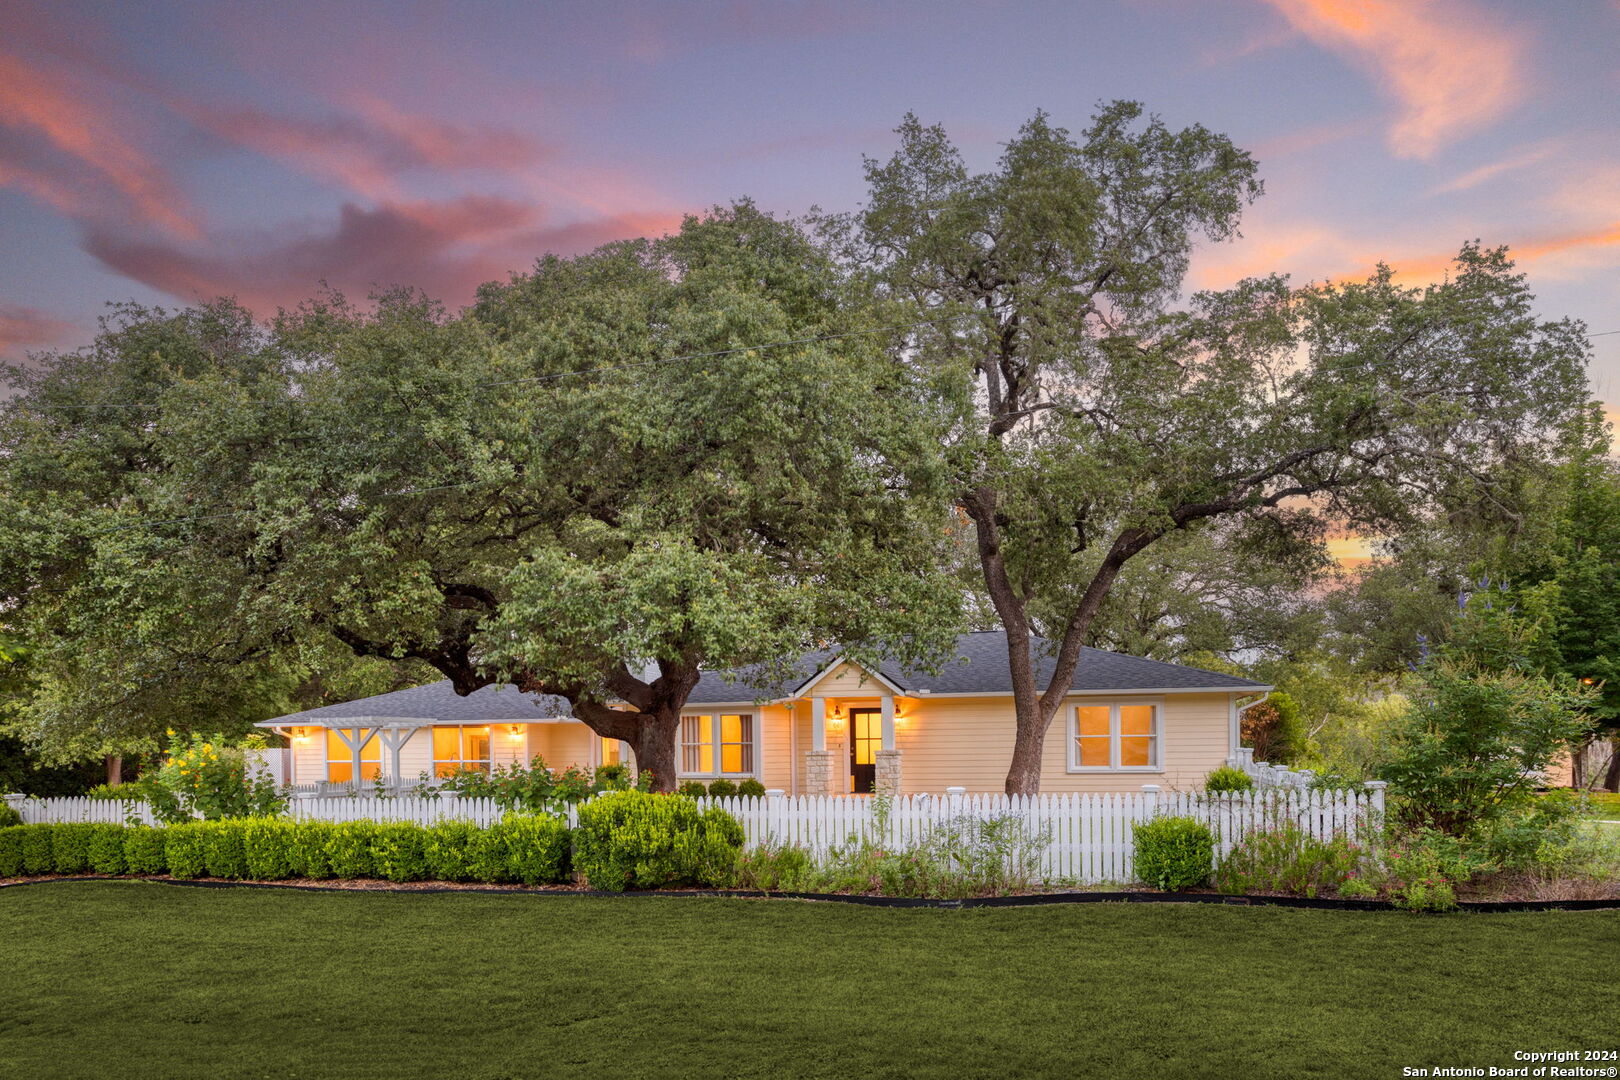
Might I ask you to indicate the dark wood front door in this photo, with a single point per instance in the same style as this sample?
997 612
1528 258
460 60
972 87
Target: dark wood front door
865 739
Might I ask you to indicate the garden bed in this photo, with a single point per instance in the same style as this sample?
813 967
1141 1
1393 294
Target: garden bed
1610 900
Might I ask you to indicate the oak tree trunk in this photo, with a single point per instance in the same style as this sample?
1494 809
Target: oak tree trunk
654 746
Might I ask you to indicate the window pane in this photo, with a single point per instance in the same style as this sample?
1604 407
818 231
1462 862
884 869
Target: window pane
477 744
1136 719
1093 719
446 768
339 772
610 751
731 729
1137 750
446 744
369 770
697 747
731 758
1093 751
335 746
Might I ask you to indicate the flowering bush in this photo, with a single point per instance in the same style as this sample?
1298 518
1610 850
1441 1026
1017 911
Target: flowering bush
203 776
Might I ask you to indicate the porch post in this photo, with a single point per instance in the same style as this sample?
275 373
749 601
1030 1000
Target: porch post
394 740
887 759
818 763
888 721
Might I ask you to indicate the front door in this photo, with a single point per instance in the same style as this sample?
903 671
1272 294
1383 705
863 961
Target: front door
865 739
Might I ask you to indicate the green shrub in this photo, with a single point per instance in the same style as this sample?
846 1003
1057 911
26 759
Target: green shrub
35 842
307 845
184 848
772 868
692 788
751 788
1425 866
487 857
11 854
106 849
397 851
348 849
223 853
144 850
70 847
630 839
9 816
536 847
722 789
1174 853
1358 889
1225 780
265 844
1288 860
446 850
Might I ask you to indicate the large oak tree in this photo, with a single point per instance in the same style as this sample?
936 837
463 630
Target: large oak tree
1102 412
591 484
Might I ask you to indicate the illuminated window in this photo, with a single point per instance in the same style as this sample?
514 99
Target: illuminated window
460 749
1114 737
726 740
737 744
1092 736
340 759
610 751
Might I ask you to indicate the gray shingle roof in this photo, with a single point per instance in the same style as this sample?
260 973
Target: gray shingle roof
980 667
439 701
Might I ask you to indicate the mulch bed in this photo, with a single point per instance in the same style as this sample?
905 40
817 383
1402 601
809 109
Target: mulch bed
1136 896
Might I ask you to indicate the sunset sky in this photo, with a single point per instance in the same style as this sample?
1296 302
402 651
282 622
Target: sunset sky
167 152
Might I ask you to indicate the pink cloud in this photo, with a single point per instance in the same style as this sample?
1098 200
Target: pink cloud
369 151
444 248
67 146
1449 66
23 326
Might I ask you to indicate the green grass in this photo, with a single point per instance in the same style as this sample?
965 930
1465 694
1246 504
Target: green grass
130 979
1603 804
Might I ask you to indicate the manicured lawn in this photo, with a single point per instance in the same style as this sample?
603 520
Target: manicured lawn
130 979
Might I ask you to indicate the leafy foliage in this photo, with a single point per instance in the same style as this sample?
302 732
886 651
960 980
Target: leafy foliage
1226 779
633 840
1173 853
1288 860
1483 725
1097 419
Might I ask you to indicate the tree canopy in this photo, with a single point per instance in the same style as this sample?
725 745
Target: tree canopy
607 473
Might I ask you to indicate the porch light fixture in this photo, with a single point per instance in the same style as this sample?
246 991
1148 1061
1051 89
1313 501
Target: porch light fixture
516 732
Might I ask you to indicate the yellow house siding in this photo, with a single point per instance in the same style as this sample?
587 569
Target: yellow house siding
846 680
967 742
309 757
562 745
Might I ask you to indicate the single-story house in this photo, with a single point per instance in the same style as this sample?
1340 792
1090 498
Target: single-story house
841 728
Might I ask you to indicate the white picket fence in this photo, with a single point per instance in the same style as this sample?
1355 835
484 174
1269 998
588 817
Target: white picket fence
1085 838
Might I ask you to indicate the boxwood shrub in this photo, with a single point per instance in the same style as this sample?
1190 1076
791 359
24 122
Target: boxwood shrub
11 858
632 839
1227 780
1174 853
265 843
446 848
223 853
306 849
348 849
106 849
144 850
752 788
396 851
185 849
9 816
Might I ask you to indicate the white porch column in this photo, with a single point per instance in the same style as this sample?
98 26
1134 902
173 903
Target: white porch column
818 762
888 721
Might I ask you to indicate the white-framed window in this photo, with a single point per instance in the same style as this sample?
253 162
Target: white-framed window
717 744
340 757
460 749
1119 736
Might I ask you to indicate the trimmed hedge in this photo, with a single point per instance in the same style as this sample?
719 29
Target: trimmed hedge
631 839
531 849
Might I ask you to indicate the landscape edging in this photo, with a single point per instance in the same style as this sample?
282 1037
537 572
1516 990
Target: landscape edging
1033 900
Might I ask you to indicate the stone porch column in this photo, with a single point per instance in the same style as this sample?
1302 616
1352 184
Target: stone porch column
887 771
